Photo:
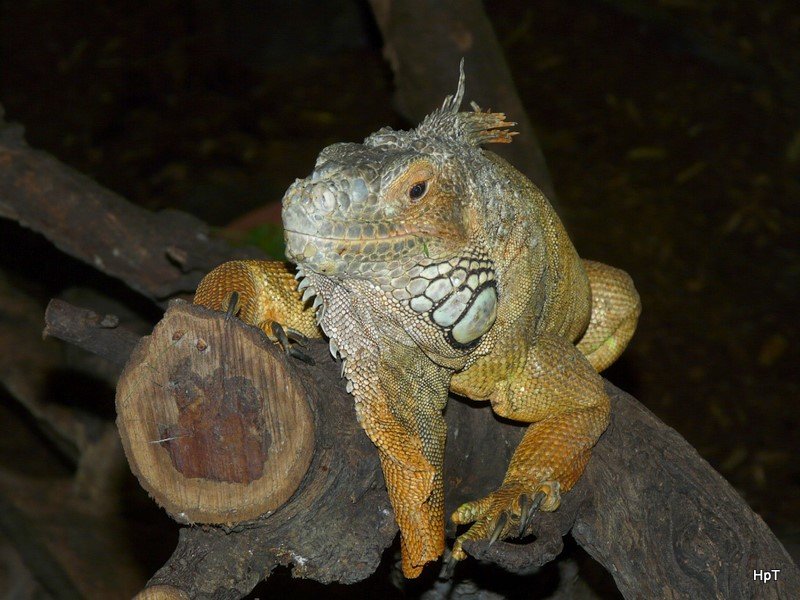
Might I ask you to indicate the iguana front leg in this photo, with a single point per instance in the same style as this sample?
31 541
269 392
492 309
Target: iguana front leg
558 391
263 293
399 404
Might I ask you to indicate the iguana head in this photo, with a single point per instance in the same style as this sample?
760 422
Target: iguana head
405 211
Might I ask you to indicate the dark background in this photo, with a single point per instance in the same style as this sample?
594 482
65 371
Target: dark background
671 129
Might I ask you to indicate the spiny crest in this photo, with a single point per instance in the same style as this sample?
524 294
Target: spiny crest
473 128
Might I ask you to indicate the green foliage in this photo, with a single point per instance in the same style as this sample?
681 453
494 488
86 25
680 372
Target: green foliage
268 237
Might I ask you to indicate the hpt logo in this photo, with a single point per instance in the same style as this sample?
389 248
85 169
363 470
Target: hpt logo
765 576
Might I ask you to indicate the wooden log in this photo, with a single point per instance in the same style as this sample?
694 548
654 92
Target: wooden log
334 528
214 428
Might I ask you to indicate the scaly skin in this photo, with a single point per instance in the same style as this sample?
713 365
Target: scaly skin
437 266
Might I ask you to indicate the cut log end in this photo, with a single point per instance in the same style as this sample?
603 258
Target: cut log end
214 426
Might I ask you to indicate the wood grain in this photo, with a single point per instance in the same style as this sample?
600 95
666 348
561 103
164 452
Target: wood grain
214 428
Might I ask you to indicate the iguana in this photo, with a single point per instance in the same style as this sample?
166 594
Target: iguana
437 267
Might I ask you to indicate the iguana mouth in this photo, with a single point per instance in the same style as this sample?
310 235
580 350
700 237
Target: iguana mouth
392 237
337 255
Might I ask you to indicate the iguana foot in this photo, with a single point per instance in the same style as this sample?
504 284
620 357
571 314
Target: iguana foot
503 512
265 294
287 338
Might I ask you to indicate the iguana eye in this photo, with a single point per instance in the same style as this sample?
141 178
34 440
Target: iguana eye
417 191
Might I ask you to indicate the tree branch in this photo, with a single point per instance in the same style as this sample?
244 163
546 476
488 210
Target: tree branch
86 329
157 254
648 508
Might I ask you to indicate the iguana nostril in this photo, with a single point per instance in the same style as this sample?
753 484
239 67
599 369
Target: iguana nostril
326 201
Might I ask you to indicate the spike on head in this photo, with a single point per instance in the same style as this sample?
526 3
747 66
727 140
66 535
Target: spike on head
473 128
452 103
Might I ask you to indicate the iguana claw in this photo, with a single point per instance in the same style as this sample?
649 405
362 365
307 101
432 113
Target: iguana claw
296 337
499 527
231 302
449 563
286 337
280 335
528 507
299 355
524 512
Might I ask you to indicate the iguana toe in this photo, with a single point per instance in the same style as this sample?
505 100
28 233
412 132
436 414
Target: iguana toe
528 506
231 304
299 355
296 336
286 338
